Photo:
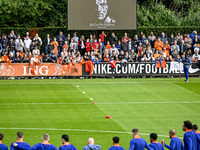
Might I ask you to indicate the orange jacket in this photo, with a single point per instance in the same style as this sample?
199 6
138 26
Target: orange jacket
168 47
166 53
157 47
156 55
55 47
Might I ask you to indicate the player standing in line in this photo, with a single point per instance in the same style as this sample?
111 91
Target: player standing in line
176 143
190 137
195 129
20 142
154 144
66 145
2 146
45 145
116 145
137 143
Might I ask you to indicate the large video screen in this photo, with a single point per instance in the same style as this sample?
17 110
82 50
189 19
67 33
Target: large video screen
102 14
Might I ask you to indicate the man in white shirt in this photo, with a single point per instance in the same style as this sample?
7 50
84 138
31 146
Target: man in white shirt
113 48
27 43
196 55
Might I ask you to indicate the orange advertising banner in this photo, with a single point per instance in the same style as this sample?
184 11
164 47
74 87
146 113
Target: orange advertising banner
43 69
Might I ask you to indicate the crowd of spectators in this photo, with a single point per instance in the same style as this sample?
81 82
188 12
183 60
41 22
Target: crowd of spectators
102 48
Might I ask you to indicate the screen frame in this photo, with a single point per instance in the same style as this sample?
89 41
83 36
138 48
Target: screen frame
99 29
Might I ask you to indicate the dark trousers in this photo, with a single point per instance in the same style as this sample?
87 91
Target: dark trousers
186 71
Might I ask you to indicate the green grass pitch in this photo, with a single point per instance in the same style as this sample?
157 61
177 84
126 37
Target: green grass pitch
60 107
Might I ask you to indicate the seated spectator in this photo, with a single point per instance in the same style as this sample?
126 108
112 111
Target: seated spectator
36 51
64 52
121 55
130 59
47 41
61 39
189 53
116 145
196 59
53 58
4 43
196 41
132 54
175 47
11 57
151 58
142 54
88 45
11 47
125 37
183 47
60 60
144 58
1 49
20 45
164 52
113 49
171 40
149 51
178 58
76 39
163 37
66 46
106 59
156 55
167 46
158 45
21 53
124 46
46 58
27 44
72 44
137 58
126 55
151 37
174 54
196 55
139 49
25 59
50 48
188 42
108 46
17 58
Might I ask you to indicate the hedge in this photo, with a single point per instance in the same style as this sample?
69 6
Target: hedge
53 31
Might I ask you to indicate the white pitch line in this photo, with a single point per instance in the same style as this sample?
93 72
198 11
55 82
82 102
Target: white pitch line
102 103
93 83
81 130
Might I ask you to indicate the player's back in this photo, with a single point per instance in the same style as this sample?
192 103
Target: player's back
3 146
190 140
42 146
177 142
198 144
138 144
116 148
156 146
21 144
67 147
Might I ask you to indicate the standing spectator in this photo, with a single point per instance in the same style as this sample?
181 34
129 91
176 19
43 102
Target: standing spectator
17 40
116 145
27 44
2 146
192 35
60 39
20 45
65 143
175 47
167 46
101 49
113 49
37 42
47 41
118 46
76 40
190 137
68 39
88 45
151 37
66 46
37 37
91 39
136 41
143 39
53 58
12 35
176 143
141 34
91 145
125 37
174 54
50 48
1 49
32 46
171 39
55 43
137 143
95 46
154 144
131 45
4 43
188 42
163 37
82 45
158 45
72 44
152 43
196 41
165 52
36 51
113 39
124 46
103 37
20 142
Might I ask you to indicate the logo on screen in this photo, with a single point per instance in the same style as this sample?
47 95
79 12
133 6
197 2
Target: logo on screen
102 9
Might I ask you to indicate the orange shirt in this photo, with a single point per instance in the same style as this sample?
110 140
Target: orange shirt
108 47
66 47
4 58
55 47
106 59
139 50
156 55
168 47
21 54
157 47
166 53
